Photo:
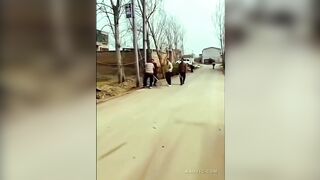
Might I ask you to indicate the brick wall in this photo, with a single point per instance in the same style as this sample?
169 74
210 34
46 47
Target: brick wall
107 62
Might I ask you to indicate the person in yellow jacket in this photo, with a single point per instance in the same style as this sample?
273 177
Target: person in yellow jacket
168 74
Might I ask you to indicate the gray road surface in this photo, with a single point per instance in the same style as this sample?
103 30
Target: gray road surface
165 133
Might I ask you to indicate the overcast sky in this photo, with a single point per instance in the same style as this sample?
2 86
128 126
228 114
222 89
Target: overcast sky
196 17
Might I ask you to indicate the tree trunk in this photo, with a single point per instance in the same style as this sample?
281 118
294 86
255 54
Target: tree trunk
161 61
222 49
149 52
121 75
170 54
223 59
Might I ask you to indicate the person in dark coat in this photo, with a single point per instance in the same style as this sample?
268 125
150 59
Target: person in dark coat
182 71
192 67
213 63
155 73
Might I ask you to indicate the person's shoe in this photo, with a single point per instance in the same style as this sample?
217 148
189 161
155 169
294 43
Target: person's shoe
150 87
169 85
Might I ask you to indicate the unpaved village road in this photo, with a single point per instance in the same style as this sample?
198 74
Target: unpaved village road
165 133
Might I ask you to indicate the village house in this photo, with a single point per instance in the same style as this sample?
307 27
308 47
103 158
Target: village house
102 41
211 53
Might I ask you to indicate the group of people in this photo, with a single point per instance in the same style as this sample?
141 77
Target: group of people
151 73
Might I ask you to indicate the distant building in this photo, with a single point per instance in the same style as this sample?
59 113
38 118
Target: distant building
102 41
211 53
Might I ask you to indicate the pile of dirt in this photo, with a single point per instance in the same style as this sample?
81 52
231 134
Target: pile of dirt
107 89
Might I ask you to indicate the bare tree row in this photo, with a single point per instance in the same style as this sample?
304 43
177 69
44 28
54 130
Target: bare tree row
164 30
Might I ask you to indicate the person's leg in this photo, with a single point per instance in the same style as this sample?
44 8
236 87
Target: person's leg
183 77
169 78
145 78
180 77
148 79
151 79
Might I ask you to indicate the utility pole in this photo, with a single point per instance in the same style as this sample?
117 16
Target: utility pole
130 13
144 31
135 44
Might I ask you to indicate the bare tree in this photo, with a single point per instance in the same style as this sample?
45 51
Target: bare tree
164 31
219 22
113 11
182 36
169 32
129 28
152 6
154 20
176 33
157 28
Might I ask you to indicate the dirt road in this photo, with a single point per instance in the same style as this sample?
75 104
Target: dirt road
165 133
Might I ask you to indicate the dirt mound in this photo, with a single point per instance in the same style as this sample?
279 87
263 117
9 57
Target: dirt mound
107 89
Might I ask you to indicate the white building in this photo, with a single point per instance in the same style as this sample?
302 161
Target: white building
212 53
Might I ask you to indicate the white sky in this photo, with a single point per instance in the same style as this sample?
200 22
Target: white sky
196 17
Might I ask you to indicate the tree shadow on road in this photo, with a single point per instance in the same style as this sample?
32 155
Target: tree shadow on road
191 123
112 151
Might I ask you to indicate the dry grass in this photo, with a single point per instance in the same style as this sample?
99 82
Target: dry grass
109 87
